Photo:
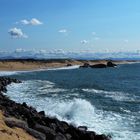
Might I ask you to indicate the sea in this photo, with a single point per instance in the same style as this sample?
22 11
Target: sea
106 100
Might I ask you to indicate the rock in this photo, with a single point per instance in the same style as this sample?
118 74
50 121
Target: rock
62 126
85 65
98 66
68 136
59 137
73 132
90 135
110 64
101 137
24 104
41 113
50 134
36 134
12 122
69 65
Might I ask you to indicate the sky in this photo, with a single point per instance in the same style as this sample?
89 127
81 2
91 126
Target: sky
70 25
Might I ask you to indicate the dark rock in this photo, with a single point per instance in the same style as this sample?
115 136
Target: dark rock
36 134
11 122
62 127
101 137
59 137
110 64
53 126
73 132
21 124
68 136
90 135
41 113
24 104
98 66
69 65
50 134
86 65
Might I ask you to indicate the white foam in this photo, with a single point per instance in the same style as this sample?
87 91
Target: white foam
115 95
65 68
6 73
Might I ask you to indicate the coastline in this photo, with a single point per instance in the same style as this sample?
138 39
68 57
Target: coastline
32 64
36 125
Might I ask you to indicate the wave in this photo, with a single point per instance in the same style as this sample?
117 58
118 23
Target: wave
115 95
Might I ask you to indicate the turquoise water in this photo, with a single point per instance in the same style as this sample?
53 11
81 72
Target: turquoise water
105 100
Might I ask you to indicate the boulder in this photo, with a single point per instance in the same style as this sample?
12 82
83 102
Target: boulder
111 64
69 65
85 65
98 66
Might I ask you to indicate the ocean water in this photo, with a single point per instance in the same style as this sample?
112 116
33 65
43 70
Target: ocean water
105 100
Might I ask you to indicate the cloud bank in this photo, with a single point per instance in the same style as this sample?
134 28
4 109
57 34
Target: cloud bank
59 53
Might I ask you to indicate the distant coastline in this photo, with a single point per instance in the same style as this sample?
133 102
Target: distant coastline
34 64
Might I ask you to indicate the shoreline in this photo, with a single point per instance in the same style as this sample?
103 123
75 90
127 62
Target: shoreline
37 65
37 124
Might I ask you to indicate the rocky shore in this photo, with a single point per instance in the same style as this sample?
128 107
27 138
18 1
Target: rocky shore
37 124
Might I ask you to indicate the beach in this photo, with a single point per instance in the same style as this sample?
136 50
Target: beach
32 64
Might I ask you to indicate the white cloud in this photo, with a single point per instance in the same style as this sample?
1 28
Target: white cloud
84 41
63 31
24 21
33 21
17 33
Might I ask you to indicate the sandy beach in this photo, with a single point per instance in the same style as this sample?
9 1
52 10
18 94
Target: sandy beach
29 64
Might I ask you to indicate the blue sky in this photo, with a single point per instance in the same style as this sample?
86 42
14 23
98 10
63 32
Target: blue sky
70 25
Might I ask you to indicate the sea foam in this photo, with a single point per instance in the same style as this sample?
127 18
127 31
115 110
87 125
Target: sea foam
6 73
